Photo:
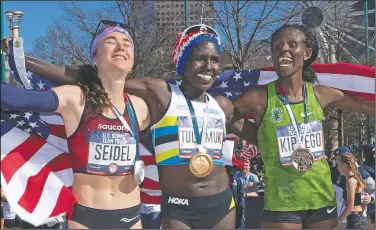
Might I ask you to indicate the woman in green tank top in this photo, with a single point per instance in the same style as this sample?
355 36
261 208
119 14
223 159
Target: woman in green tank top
288 115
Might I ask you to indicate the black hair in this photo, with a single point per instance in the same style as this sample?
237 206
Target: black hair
310 41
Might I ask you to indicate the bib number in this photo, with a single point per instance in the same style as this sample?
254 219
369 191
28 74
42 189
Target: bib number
111 153
312 140
187 141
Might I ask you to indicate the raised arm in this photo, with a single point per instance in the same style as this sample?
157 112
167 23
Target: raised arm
152 90
328 96
252 102
236 123
57 74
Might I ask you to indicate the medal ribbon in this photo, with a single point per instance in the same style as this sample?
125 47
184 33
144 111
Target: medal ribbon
200 140
133 121
291 114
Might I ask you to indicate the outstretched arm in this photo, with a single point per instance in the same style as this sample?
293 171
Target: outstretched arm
235 122
14 98
55 100
57 74
328 96
152 90
253 102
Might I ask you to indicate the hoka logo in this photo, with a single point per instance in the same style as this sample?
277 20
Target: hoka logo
179 201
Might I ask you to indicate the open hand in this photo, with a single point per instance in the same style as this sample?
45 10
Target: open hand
5 45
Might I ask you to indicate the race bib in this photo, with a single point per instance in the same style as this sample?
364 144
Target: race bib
187 140
312 140
111 153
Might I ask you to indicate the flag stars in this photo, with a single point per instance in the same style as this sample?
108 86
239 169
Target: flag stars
27 115
29 75
247 83
237 76
41 85
228 94
20 123
14 116
28 130
224 84
33 124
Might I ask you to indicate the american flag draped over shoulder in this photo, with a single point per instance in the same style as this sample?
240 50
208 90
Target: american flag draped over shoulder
357 80
36 173
35 168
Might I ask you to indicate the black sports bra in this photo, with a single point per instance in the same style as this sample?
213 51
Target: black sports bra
358 197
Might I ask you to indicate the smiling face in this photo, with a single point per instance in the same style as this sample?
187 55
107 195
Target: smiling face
247 167
289 52
203 65
115 53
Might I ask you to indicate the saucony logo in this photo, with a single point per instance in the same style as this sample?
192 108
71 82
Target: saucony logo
126 220
112 127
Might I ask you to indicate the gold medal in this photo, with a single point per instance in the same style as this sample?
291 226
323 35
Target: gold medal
200 164
302 159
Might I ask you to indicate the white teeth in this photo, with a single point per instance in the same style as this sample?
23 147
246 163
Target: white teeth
285 62
285 65
204 76
284 58
119 57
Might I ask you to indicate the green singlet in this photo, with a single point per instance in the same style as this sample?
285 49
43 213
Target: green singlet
287 189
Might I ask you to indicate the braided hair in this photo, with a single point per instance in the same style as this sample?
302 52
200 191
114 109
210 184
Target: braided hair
310 41
349 160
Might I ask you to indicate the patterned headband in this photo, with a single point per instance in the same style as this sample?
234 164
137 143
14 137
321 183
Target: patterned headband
101 34
189 39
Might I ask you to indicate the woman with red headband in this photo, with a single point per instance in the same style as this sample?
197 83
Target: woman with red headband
102 125
193 179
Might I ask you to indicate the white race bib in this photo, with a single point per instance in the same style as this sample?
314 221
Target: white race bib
111 153
312 140
214 137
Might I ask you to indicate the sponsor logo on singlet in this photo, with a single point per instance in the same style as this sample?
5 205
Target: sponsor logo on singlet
111 153
312 140
186 108
214 136
112 127
178 201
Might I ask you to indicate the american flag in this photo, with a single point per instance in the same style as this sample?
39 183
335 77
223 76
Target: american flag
36 174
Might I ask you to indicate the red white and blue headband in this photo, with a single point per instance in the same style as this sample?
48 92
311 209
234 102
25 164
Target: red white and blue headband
107 27
189 39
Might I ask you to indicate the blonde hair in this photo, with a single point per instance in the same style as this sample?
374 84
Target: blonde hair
350 161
